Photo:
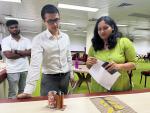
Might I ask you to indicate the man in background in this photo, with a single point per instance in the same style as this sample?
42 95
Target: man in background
16 49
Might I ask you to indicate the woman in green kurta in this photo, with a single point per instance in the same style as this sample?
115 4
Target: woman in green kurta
108 45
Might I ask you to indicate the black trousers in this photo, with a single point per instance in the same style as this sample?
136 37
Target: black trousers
55 82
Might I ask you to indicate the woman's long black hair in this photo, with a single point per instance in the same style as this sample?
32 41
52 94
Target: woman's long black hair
97 42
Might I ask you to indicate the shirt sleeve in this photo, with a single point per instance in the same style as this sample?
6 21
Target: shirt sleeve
69 58
35 64
5 45
129 50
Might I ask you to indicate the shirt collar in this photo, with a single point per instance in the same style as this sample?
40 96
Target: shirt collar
49 35
21 37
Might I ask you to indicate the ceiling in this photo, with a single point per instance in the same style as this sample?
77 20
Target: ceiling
136 15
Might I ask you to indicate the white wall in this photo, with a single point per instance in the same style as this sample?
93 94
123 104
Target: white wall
2 32
90 30
142 46
77 43
29 35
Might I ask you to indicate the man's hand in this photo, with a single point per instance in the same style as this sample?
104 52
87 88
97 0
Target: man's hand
24 53
24 95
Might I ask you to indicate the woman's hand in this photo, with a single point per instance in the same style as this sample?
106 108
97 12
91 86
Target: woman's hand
113 66
91 61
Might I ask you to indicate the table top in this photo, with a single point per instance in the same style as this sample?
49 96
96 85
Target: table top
138 100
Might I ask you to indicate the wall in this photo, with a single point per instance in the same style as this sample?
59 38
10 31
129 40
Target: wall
142 46
90 30
77 43
2 32
141 42
29 35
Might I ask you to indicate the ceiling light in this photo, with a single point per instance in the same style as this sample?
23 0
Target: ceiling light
75 7
22 19
85 31
122 25
68 23
17 1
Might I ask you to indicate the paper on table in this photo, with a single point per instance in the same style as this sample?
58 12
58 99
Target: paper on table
102 76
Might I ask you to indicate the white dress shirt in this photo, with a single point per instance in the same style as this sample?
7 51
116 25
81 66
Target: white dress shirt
20 64
53 53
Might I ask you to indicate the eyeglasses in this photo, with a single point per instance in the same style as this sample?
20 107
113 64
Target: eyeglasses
52 21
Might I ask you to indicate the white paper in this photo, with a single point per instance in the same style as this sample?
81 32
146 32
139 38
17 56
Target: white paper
102 76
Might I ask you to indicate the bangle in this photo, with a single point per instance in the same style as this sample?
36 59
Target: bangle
16 51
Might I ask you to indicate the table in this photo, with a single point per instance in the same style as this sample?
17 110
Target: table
138 100
83 75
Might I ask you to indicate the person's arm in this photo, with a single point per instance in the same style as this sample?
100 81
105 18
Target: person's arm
34 69
8 51
11 55
15 54
129 54
69 59
125 66
27 51
91 60
24 53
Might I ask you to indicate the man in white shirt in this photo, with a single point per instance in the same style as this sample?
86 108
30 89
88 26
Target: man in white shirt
51 48
16 49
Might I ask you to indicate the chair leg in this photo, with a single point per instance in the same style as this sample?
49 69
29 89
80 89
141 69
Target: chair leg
76 85
141 79
145 80
88 86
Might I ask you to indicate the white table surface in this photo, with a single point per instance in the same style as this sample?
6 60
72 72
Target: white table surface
140 102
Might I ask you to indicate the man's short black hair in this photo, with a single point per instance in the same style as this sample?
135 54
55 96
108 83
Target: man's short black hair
49 8
11 22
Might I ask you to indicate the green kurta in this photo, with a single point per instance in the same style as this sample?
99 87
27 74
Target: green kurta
123 52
